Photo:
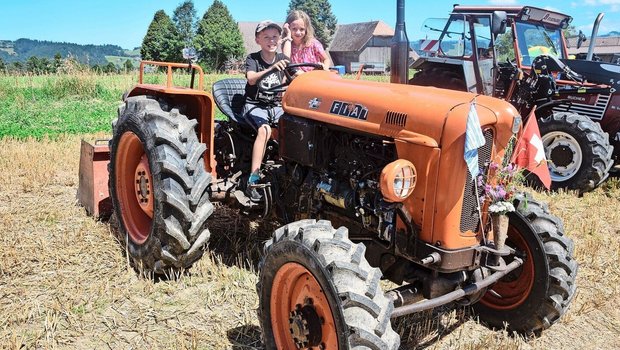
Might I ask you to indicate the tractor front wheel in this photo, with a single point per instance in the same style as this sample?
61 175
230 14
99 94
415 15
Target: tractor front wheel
578 151
158 185
317 291
534 296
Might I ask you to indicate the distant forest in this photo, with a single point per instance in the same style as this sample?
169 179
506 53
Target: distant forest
22 49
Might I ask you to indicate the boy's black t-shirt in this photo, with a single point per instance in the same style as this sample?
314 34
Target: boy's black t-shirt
254 62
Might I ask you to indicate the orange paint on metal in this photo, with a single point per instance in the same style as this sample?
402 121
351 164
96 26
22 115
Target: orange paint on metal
128 157
513 290
169 66
399 170
144 186
93 191
294 286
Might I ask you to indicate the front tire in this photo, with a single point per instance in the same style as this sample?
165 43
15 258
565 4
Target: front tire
158 185
534 296
578 151
317 290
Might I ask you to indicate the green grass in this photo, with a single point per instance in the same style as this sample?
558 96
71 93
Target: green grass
52 105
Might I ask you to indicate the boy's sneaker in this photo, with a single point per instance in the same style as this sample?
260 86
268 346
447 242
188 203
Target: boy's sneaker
252 188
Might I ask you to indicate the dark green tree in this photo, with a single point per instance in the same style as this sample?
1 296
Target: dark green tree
161 41
128 66
57 61
185 19
2 66
321 16
218 37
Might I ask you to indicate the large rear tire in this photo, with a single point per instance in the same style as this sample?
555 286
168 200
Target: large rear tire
158 185
578 152
317 291
439 78
535 296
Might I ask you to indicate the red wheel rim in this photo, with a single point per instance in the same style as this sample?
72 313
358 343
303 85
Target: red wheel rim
295 288
134 187
517 285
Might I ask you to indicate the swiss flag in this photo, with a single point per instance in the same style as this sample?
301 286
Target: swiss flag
529 152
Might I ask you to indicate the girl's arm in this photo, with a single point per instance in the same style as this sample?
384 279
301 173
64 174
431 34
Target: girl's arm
287 41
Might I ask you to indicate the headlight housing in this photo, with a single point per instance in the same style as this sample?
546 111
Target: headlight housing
398 180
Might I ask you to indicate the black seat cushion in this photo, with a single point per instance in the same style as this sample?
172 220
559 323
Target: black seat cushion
229 95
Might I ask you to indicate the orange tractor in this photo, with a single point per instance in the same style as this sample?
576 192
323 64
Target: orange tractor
370 183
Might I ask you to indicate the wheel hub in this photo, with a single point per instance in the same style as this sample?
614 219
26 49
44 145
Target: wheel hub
305 326
144 192
564 154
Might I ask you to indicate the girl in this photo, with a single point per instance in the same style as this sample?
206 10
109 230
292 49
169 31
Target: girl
299 43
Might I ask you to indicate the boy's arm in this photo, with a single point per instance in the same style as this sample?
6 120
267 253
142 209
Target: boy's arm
253 76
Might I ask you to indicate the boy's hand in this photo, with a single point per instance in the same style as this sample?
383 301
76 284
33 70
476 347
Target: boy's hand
280 65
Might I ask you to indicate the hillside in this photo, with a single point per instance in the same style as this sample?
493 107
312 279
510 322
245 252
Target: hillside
22 49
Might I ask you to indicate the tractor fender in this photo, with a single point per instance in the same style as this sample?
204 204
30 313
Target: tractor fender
195 104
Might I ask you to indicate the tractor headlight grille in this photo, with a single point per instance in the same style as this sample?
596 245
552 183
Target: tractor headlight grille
470 220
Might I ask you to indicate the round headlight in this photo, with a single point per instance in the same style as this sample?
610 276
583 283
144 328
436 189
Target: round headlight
398 180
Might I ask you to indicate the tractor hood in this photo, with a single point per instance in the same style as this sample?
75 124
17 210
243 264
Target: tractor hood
422 115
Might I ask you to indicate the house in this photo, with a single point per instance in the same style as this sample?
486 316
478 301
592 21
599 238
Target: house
363 43
607 48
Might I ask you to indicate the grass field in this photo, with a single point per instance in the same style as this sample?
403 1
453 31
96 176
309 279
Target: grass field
65 282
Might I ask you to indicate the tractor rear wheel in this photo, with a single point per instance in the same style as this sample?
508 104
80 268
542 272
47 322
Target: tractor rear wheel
534 296
158 185
439 78
317 291
578 152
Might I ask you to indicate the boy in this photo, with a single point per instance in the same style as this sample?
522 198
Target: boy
261 106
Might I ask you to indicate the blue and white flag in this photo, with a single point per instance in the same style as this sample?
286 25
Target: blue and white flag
473 140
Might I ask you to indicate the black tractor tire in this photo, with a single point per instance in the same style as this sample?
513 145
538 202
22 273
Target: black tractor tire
439 78
578 152
537 294
158 185
311 266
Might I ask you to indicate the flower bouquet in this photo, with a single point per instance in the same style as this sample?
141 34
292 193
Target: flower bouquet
498 191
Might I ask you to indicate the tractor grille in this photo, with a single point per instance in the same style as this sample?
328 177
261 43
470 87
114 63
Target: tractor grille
470 220
395 118
594 112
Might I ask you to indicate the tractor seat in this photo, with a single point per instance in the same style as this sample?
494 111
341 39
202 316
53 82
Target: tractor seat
229 95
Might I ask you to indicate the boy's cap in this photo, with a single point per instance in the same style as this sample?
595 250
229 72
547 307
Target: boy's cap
267 24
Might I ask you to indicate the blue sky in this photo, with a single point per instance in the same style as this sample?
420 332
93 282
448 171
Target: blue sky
124 22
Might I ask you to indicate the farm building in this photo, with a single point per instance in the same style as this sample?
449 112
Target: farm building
607 48
357 43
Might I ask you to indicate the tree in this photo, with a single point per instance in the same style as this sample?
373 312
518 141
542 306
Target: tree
128 66
185 19
2 65
57 61
218 37
321 16
161 40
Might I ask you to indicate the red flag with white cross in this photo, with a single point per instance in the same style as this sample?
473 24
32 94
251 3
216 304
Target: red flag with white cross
529 152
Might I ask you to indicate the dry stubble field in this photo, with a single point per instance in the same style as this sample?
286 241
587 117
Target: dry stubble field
65 283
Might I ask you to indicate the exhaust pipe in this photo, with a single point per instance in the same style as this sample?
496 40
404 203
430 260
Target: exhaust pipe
399 54
597 23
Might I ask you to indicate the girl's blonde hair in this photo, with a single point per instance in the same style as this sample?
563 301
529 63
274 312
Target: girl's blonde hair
299 14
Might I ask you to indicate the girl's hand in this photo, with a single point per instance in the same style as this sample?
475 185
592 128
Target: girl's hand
286 32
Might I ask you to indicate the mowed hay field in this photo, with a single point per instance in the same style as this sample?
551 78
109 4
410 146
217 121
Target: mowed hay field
65 281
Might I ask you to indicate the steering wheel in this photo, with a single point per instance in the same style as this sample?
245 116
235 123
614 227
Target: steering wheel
289 72
552 64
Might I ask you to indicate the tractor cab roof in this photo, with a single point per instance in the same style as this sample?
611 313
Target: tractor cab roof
520 13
